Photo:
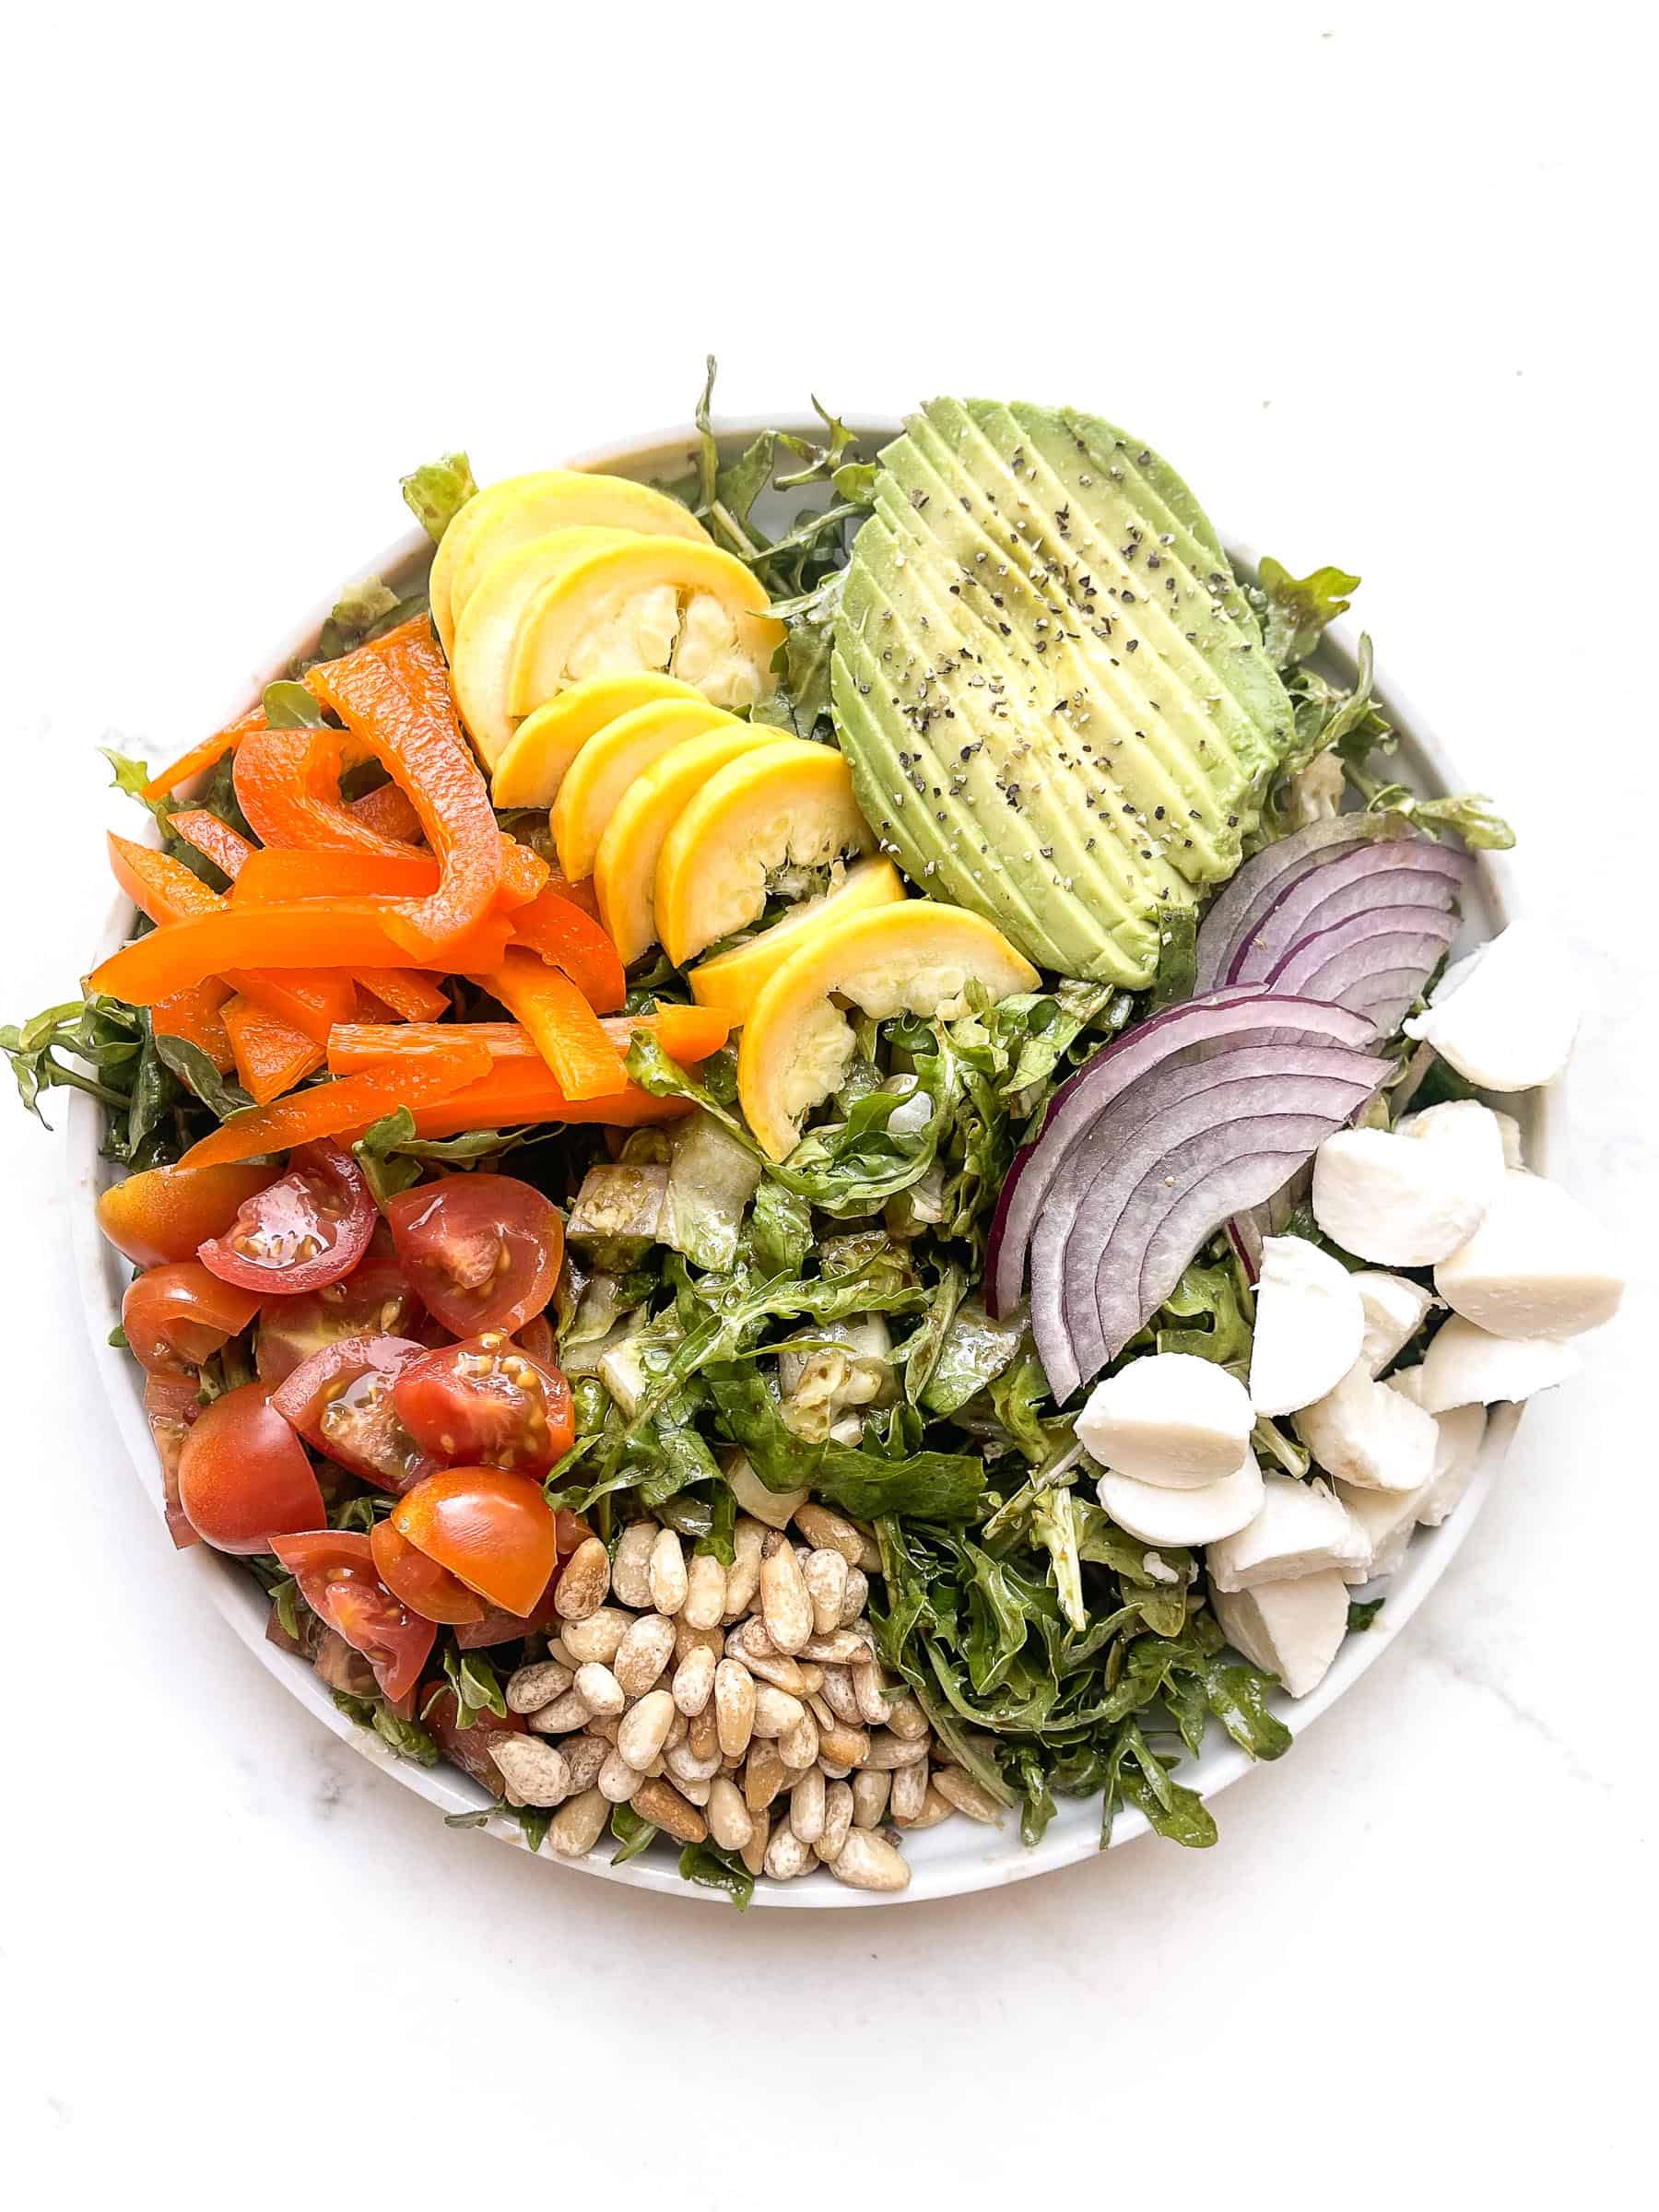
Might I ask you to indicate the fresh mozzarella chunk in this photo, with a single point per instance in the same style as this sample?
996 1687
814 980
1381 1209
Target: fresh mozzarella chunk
1467 1366
1394 1308
1309 1324
1294 1629
1383 1520
1302 1528
1158 1514
1538 1266
1515 1144
1170 1419
1369 1435
1406 1198
1457 1454
1506 1016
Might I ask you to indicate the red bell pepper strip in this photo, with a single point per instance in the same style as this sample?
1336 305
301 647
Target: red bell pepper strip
567 938
271 1054
564 1026
393 695
341 1108
225 847
206 755
687 1034
196 1016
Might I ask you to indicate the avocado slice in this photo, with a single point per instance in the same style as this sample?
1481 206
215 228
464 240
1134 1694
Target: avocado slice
1050 687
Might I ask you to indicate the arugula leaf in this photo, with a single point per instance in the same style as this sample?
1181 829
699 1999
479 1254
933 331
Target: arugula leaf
974 1351
930 1486
198 1073
801 662
362 611
633 1834
1177 973
436 492
711 1868
779 1229
821 459
474 1682
1361 1612
1294 610
290 706
1471 814
377 1153
407 1738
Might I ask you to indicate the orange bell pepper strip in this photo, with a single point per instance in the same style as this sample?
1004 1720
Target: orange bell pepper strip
341 1108
196 1016
207 754
165 889
564 1026
222 845
570 939
516 1095
404 991
271 1054
687 1034
277 876
287 783
386 810
393 696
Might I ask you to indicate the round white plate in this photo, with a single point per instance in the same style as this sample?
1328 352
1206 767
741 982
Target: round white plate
959 1855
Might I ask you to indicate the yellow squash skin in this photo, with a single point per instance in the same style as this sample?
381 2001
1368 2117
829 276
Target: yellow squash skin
918 957
480 663
506 514
790 805
732 981
602 772
624 865
560 624
543 746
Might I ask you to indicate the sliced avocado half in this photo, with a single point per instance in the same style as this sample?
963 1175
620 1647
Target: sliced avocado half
1048 684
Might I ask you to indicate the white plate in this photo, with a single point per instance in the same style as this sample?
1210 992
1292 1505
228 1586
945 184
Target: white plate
959 1855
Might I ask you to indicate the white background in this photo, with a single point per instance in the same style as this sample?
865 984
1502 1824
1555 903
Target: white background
1379 280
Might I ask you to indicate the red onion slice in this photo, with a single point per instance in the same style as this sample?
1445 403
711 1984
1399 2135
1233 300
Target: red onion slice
1350 884
1263 879
1331 964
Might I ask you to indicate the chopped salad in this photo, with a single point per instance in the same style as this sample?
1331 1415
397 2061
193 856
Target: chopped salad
799 1154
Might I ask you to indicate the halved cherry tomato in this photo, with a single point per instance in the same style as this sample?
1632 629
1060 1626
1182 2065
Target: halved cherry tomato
165 1213
490 1527
468 1746
423 1585
341 1402
374 1300
482 1251
310 1228
177 1315
243 1476
500 1627
335 1569
170 1405
535 1337
487 1402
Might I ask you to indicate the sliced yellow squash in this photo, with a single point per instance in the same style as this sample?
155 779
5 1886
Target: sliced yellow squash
918 959
610 612
624 865
790 806
519 508
607 764
481 659
732 980
533 767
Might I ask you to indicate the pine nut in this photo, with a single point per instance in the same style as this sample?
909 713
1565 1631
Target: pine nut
531 1688
584 1755
562 1716
743 1576
685 1765
597 1637
645 1727
584 1583
825 1575
872 1706
661 1803
957 1787
775 1711
841 1647
845 1747
827 1531
677 1726
935 1809
579 1824
694 1681
838 1821
840 1696
867 1861
705 1591
734 1706
555 1651
830 1771
798 1746
870 1791
907 1718
630 1577
820 1710
688 1639
891 1751
535 1769
909 1793
694 1792
807 1807
784 1604
617 1780
787 1855
604 1694
750 1640
604 1730
783 1674
856 1598
763 1776
702 1733
730 1821
753 1853
643 1653
667 1573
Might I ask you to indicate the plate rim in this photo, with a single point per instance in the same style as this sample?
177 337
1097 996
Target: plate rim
936 1871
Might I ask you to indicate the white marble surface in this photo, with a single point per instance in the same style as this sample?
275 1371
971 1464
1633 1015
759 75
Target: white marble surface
1371 277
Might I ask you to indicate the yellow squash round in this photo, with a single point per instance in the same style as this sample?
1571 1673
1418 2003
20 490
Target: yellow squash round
543 746
482 658
732 981
607 764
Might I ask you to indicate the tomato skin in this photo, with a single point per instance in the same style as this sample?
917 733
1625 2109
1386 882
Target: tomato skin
468 1746
177 1315
420 1582
335 1569
170 1405
342 1401
309 1228
243 1476
165 1213
492 1529
374 1300
483 1251
500 1627
535 1337
486 1402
